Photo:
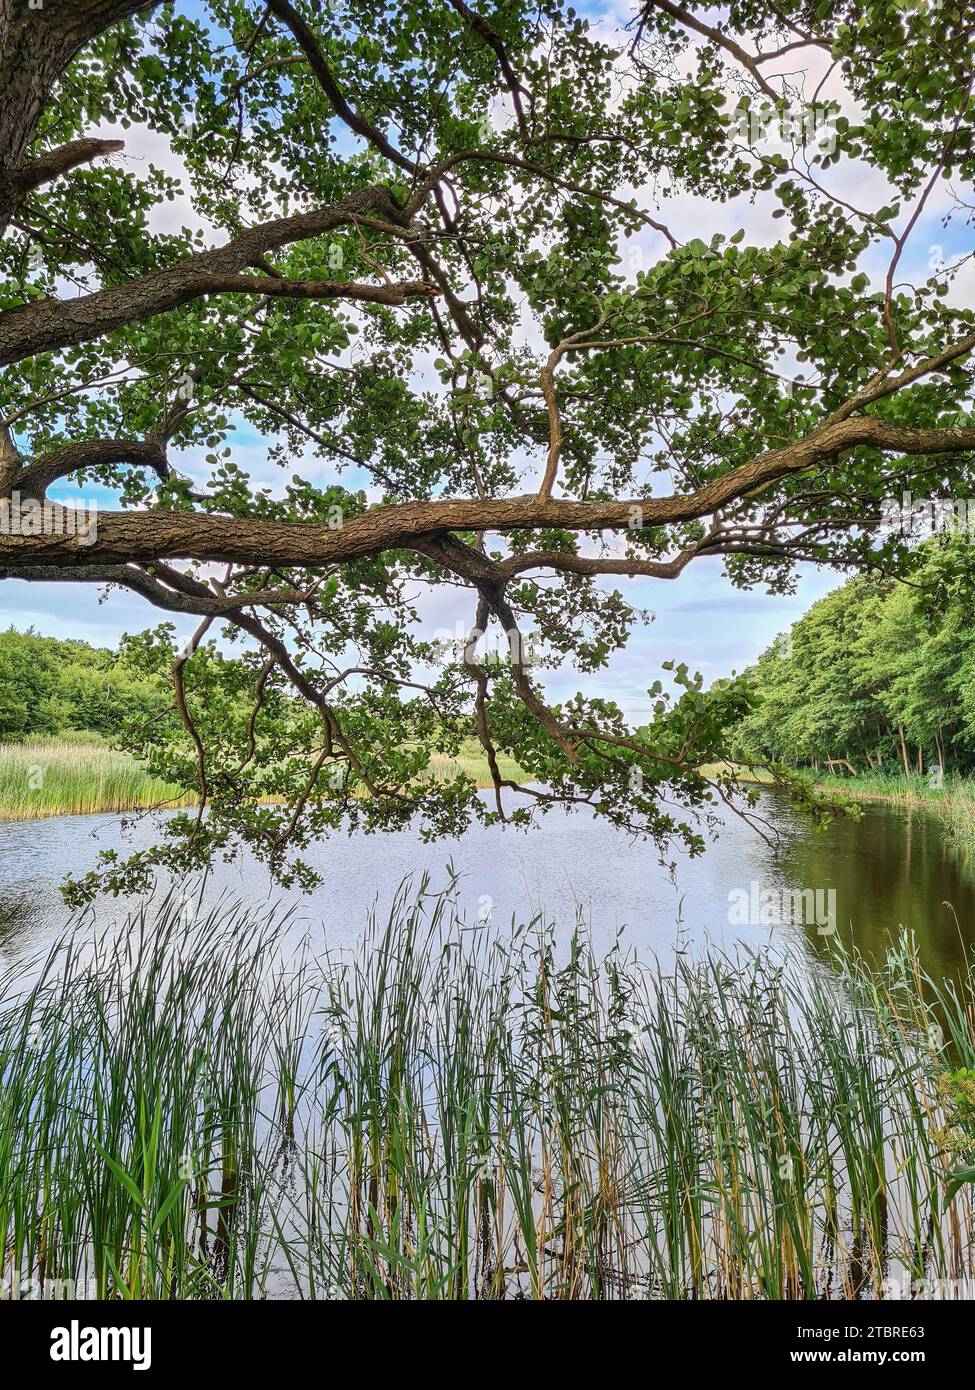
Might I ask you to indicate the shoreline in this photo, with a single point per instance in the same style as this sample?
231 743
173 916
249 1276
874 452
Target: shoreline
906 799
92 778
899 793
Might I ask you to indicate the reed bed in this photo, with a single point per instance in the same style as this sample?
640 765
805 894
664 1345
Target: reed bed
957 812
471 760
198 1107
895 787
71 776
81 775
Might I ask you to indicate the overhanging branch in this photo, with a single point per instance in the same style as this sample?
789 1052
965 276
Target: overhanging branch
142 537
52 324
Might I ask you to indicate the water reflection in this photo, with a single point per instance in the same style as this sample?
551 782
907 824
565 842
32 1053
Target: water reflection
890 870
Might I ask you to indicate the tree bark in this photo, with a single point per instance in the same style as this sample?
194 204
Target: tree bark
904 755
36 45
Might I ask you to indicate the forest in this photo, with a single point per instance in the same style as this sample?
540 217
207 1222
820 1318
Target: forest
48 686
878 676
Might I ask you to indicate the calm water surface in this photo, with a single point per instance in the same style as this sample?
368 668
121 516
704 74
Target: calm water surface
889 870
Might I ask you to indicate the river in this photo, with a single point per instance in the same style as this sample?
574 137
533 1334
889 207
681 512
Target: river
890 870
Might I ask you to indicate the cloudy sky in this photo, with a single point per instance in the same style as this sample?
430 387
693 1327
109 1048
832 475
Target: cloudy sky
700 618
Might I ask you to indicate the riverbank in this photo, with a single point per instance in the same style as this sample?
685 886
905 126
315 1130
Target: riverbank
80 774
897 790
953 801
76 775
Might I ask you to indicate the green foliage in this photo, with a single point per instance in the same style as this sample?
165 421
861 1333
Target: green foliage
48 686
520 163
878 673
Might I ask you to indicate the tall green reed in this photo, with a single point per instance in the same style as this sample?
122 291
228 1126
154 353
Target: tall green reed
455 1111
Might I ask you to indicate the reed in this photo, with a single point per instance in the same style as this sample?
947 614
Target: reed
471 761
957 812
463 1112
75 776
916 790
82 775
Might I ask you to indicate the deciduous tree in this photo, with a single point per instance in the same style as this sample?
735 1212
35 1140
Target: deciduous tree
431 245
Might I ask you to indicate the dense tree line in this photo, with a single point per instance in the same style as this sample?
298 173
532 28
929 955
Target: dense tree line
876 676
51 687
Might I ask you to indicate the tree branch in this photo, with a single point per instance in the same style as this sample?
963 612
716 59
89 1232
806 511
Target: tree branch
749 61
316 61
46 326
53 163
89 453
143 537
484 31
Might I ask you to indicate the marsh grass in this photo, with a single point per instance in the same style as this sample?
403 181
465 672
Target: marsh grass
77 774
471 760
957 812
895 787
454 1112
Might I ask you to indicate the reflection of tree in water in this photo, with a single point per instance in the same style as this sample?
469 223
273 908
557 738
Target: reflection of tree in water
892 871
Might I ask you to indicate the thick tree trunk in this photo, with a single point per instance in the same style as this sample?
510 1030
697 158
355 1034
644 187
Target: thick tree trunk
36 45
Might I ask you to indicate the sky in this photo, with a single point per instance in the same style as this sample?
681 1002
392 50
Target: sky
699 619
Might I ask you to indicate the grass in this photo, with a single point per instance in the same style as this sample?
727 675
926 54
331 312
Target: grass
456 1113
957 811
471 760
75 776
893 787
744 774
79 774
